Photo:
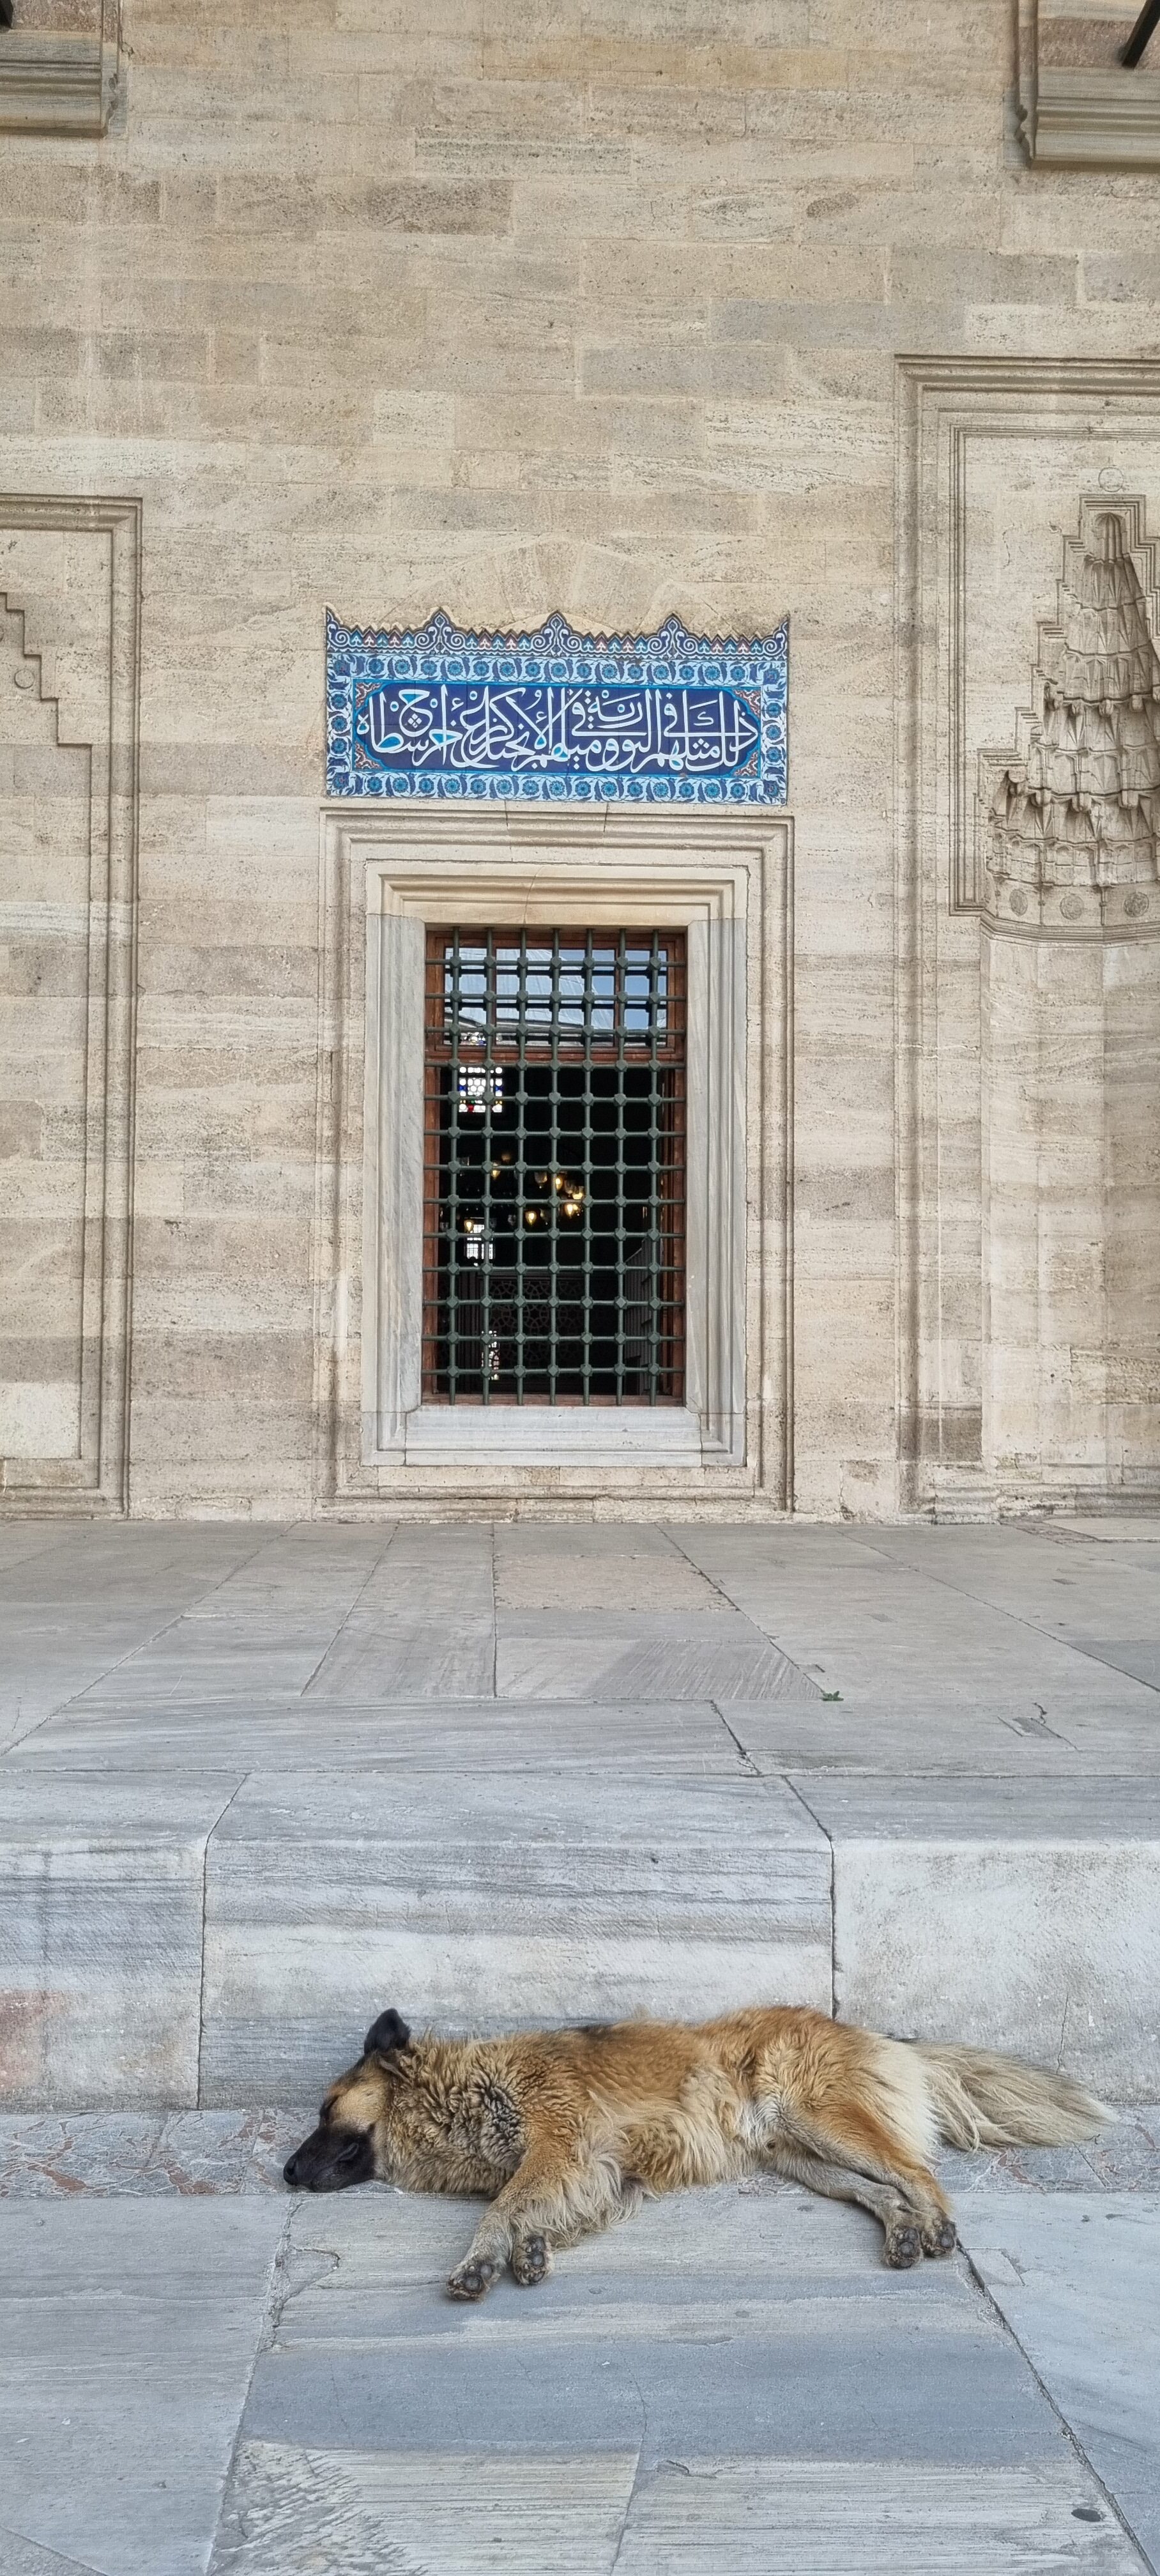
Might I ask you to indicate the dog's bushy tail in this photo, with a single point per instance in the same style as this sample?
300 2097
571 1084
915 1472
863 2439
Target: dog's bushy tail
980 2100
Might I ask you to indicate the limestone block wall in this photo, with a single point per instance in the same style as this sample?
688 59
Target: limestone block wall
391 306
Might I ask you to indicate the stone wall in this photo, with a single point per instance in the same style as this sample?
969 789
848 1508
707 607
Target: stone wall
391 305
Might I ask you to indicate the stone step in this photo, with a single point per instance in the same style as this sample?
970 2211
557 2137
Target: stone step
218 1934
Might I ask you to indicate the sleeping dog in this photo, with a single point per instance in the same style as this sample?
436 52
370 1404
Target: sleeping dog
566 2130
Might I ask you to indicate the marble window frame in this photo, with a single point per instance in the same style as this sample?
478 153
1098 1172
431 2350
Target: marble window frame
385 878
62 83
1084 116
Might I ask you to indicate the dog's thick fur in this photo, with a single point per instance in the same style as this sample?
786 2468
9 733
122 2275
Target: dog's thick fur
566 2130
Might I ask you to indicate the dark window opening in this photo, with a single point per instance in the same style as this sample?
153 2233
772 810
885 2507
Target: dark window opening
554 1244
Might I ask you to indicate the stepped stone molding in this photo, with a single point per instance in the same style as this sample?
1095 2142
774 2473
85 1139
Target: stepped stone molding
1083 115
61 84
383 877
1070 813
89 1469
201 1936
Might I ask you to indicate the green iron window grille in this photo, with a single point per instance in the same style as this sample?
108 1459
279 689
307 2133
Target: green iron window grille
554 1206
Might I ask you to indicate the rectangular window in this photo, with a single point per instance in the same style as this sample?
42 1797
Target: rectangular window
554 1167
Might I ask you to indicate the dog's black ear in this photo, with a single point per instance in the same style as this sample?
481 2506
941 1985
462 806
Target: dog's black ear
389 2031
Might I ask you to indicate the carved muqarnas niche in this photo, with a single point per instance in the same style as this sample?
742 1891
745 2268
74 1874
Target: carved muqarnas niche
1076 802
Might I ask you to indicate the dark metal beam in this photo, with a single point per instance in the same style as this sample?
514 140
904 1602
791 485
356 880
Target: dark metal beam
1141 35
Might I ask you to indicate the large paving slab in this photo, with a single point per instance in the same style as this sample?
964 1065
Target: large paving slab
101 1904
1006 1617
1021 1914
296 2511
1050 2259
148 1602
491 1901
641 1655
128 2331
708 2325
979 1741
732 2380
601 1568
82 1603
688 1738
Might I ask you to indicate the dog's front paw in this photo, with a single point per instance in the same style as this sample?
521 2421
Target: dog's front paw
530 2261
939 2237
473 2279
903 2247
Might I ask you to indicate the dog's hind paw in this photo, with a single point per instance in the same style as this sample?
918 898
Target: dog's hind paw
529 2260
939 2237
472 2280
903 2248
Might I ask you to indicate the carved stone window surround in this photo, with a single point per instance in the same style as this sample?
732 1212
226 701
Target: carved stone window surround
1080 115
385 877
61 84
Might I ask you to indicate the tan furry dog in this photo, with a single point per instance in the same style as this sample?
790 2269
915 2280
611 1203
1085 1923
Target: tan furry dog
566 2130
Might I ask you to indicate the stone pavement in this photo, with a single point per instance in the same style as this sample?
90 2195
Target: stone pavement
196 2370
259 1782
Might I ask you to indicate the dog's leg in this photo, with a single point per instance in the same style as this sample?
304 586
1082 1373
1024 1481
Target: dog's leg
555 2195
903 2245
853 2141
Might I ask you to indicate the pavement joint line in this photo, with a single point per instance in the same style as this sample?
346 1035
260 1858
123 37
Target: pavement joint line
1071 2436
273 2304
793 1660
622 2534
83 2566
803 1801
689 1559
748 1762
351 1606
210 1832
207 1594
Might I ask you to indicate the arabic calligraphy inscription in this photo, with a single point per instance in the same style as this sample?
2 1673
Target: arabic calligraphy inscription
556 715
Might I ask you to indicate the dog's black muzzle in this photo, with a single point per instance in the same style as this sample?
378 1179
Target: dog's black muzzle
330 2160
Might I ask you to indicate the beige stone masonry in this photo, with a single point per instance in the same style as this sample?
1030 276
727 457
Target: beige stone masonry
400 307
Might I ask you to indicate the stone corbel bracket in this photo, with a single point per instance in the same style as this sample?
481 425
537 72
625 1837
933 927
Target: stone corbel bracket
1083 116
61 84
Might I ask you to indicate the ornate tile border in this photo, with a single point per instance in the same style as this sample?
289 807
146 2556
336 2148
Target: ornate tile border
555 717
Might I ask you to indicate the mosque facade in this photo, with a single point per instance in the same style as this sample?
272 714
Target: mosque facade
579 759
